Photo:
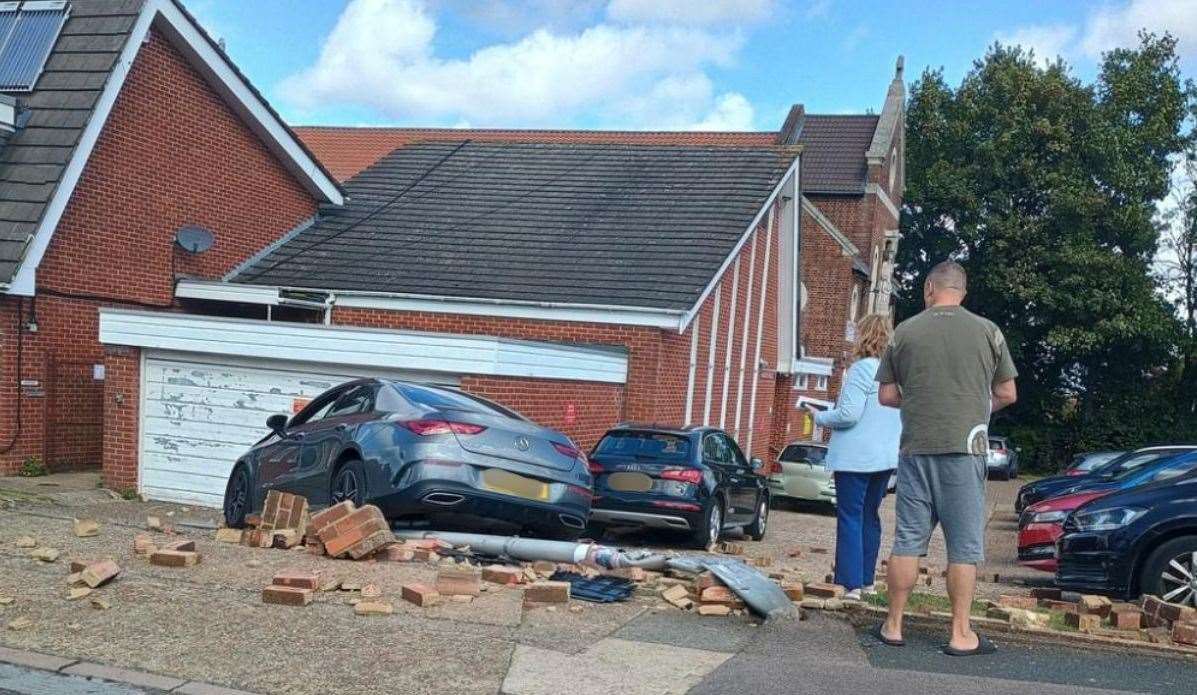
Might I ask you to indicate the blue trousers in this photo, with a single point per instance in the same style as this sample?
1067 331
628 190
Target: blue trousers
858 526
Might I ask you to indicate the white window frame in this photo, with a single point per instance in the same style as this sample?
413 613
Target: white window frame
821 382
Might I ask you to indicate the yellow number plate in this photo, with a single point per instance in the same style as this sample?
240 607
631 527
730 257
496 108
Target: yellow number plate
630 482
508 483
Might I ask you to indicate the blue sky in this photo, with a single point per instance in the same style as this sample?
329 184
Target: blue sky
693 64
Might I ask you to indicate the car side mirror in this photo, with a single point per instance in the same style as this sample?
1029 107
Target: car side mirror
756 464
277 424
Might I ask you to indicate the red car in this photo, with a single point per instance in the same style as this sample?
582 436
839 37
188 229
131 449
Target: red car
1042 523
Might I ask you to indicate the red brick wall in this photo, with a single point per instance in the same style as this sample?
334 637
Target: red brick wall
122 387
171 153
584 410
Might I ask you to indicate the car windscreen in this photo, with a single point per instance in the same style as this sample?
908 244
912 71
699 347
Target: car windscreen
445 399
1089 462
644 445
1134 465
799 453
1129 460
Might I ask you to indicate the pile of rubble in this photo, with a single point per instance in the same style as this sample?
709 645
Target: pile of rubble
1151 620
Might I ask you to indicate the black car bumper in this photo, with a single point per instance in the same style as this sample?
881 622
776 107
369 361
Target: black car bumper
1087 563
669 514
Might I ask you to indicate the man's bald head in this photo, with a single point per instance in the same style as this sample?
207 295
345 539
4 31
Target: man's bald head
947 283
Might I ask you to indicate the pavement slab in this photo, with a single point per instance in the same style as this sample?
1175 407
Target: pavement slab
609 666
687 629
16 679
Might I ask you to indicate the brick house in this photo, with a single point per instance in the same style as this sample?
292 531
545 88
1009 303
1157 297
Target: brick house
583 278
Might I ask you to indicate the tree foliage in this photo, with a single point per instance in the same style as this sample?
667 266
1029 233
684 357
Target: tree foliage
1046 189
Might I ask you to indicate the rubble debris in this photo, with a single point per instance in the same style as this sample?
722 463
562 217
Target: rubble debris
286 595
353 532
46 554
175 558
1158 635
299 579
154 523
86 528
1050 593
285 539
1083 622
228 535
143 545
461 598
706 580
1095 605
100 604
679 597
20 624
1126 617
26 542
77 592
1185 633
396 552
720 595
794 590
253 520
371 591
330 584
638 575
184 545
420 594
75 578
500 574
99 573
284 511
351 586
601 589
728 548
1160 613
1024 602
714 609
257 538
813 603
79 565
544 567
825 590
373 608
458 580
546 592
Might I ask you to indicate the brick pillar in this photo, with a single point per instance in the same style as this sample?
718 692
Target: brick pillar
122 382
30 400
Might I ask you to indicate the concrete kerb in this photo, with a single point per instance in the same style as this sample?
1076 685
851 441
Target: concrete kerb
861 615
89 670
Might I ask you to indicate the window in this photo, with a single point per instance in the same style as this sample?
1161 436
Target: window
798 453
736 456
821 383
359 399
811 382
803 382
715 450
316 410
27 35
645 445
854 304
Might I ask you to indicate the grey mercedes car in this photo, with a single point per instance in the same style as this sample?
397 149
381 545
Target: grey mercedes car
420 453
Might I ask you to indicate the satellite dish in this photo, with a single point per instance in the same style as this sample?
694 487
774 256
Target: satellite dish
193 238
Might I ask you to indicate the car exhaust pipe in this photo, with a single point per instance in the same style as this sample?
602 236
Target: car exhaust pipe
444 499
572 521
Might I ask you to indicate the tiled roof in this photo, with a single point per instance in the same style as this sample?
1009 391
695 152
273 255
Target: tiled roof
34 158
348 150
833 153
603 224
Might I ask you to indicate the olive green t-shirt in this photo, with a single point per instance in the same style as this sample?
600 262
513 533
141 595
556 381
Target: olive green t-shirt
946 361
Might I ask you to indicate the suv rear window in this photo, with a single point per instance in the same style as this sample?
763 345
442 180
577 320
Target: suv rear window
645 445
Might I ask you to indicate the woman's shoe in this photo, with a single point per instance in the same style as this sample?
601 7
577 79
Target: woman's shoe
870 590
853 595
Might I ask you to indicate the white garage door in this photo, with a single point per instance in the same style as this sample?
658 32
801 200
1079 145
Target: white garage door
198 416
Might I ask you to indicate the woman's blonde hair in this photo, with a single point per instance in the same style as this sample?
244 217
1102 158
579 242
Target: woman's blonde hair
872 336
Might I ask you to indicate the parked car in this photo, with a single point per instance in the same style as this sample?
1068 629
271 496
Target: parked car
1087 463
1002 459
1050 487
801 474
418 451
690 479
1042 524
1137 541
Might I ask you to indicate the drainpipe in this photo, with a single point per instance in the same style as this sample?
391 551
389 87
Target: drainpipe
328 307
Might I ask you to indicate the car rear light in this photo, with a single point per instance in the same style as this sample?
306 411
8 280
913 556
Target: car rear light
425 428
1074 471
595 467
686 475
684 506
567 450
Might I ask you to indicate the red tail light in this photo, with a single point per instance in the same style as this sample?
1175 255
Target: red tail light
595 467
567 450
425 428
684 506
686 475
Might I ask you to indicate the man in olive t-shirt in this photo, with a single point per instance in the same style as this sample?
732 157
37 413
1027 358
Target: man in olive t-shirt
948 370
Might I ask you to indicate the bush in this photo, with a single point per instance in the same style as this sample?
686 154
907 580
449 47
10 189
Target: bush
33 468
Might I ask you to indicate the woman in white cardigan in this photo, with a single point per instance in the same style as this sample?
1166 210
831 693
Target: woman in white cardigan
862 454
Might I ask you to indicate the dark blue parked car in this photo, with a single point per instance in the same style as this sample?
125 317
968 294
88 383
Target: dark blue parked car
1055 486
1162 468
1138 541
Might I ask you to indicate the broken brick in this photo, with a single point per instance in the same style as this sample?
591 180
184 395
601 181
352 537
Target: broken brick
329 516
257 538
1126 618
228 535
721 595
728 548
285 539
678 596
286 595
1176 613
1185 633
358 533
77 592
79 565
794 591
284 510
373 608
420 594
371 591
367 546
714 609
396 553
705 581
1062 606
181 545
99 573
143 544
86 528
1043 592
253 520
547 592
1024 602
175 558
298 579
1095 605
1084 622
498 574
46 554
458 580
825 590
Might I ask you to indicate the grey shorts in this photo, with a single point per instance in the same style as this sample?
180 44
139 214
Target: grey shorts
945 489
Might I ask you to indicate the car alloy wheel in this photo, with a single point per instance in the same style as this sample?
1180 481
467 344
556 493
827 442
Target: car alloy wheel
236 502
347 486
715 525
762 516
1179 579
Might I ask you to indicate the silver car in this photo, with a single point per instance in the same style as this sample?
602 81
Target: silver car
802 475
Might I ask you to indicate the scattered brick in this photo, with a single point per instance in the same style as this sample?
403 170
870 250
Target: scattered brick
1095 605
714 609
1158 635
371 591
253 520
1176 613
99 573
721 595
1185 633
356 533
46 554
825 590
284 510
396 553
153 523
1083 622
547 592
297 578
793 590
498 574
285 539
633 574
363 549
1126 617
228 535
175 558
373 608
77 592
257 538
706 580
183 545
678 596
26 542
762 561
731 548
1062 606
286 595
143 544
86 528
458 580
420 594
1043 592
330 515
1024 602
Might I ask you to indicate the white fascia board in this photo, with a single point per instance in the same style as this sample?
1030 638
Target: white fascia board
819 366
361 347
244 101
828 226
689 315
224 292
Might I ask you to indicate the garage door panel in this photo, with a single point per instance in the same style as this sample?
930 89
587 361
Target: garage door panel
192 448
243 417
248 380
184 496
220 398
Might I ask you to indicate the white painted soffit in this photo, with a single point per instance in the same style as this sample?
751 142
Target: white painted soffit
469 306
362 347
819 366
189 39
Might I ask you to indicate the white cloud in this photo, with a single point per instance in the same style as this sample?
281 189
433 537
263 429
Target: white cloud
818 9
693 12
732 112
380 55
1115 26
1048 41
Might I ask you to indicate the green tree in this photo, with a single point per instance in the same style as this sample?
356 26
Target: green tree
1045 188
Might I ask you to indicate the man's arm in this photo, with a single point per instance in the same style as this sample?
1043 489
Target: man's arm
891 395
1004 394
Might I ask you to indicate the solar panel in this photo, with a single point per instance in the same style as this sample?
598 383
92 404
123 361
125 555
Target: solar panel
27 34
